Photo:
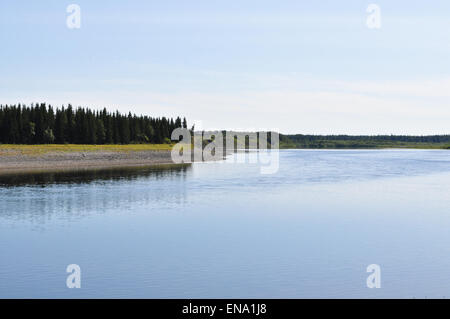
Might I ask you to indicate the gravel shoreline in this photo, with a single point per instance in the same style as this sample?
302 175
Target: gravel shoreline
17 163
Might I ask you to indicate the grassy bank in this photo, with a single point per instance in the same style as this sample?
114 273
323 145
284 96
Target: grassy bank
10 149
24 159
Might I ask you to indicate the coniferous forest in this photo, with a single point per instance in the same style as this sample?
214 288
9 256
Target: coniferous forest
43 124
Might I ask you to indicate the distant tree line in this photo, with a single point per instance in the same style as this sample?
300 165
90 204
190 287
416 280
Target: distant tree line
43 124
360 141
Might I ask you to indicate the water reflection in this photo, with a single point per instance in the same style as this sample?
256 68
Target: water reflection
41 198
87 176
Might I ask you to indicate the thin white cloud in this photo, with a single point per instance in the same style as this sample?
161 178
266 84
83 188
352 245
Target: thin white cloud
305 106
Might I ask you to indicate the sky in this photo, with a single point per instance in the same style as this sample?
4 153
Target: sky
310 67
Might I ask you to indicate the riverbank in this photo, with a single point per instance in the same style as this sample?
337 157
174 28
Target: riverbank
18 159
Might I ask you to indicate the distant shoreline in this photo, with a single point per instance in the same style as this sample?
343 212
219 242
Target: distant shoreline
382 147
364 141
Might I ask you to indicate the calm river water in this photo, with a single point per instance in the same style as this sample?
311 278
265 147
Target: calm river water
223 230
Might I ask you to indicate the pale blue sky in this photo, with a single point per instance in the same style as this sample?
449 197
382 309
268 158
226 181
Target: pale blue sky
296 66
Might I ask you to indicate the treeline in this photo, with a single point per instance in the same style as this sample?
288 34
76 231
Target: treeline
43 124
362 141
